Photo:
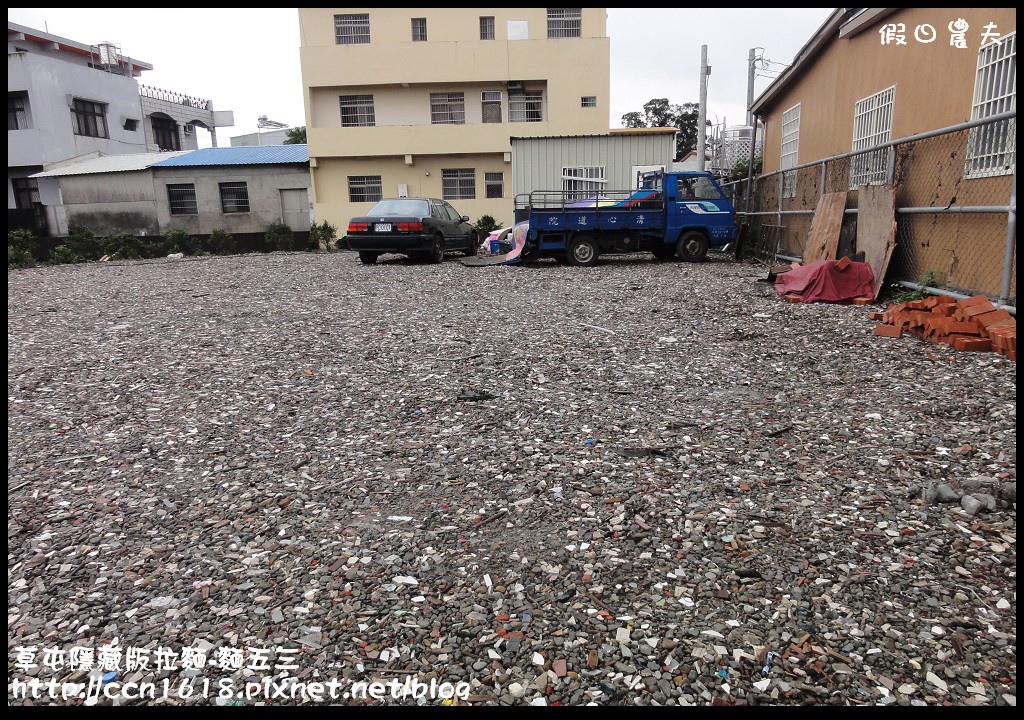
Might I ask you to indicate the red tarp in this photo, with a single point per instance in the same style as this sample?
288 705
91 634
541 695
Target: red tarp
821 281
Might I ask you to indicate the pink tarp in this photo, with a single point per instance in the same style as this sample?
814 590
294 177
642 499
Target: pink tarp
821 281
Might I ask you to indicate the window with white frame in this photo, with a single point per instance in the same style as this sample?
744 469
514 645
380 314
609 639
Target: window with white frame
872 126
992 148
565 22
352 29
526 107
365 188
419 29
234 197
447 108
494 185
490 106
357 111
790 145
486 27
581 182
182 199
458 184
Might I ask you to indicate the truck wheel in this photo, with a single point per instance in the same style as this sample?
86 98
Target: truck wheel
436 251
663 251
583 251
368 258
692 246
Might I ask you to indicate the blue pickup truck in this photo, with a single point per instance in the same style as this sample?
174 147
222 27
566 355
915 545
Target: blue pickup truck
671 214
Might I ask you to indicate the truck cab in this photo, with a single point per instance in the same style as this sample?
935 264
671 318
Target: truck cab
698 215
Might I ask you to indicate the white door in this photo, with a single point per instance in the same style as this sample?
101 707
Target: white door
295 209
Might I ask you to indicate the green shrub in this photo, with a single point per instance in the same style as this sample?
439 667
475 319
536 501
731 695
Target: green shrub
222 243
20 247
63 255
486 224
279 237
322 236
179 241
125 246
83 242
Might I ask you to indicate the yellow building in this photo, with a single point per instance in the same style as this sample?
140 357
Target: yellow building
424 101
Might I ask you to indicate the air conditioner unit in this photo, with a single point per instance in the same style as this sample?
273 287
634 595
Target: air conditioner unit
187 129
516 86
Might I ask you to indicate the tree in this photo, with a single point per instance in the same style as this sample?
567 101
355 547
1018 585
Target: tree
660 113
295 136
739 168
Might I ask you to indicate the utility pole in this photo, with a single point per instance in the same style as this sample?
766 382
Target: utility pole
702 113
751 56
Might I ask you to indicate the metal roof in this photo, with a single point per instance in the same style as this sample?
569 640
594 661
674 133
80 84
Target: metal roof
241 155
110 163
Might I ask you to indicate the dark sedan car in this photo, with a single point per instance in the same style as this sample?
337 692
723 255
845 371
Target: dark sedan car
424 228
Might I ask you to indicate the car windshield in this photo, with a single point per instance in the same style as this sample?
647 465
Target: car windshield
401 206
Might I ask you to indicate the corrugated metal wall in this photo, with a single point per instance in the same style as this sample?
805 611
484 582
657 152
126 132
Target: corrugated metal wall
537 162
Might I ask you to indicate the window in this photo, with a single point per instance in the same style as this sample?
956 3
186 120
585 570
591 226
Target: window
26 193
487 27
234 197
588 101
16 116
992 148
872 125
564 22
527 107
364 188
580 182
165 134
494 185
447 211
447 108
182 199
89 118
352 29
131 124
357 111
790 144
419 29
490 106
458 184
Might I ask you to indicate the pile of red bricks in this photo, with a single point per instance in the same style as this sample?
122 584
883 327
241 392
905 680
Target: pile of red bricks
972 323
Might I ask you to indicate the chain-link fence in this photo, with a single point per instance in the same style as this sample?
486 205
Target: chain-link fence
955 193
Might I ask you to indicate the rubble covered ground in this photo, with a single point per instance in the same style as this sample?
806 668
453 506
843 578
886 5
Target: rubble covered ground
643 483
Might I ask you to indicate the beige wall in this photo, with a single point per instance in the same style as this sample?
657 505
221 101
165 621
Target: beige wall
934 82
402 146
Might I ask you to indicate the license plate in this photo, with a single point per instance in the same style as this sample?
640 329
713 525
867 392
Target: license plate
382 227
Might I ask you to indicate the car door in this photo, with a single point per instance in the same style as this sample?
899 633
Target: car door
461 231
444 223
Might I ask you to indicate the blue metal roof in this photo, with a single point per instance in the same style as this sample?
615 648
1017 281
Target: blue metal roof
240 155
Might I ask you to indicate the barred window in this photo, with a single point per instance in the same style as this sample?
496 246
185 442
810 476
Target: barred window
165 133
352 29
790 146
447 108
486 27
26 192
419 29
364 188
458 184
565 22
588 101
490 106
182 199
357 111
234 197
992 148
494 184
528 107
89 118
872 125
581 182
16 117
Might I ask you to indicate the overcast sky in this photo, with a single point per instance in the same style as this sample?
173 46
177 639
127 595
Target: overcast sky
247 60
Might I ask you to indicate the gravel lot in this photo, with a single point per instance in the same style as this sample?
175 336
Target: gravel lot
636 484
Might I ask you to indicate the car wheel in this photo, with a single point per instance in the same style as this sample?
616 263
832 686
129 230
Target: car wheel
474 244
437 251
692 246
583 251
663 251
368 258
